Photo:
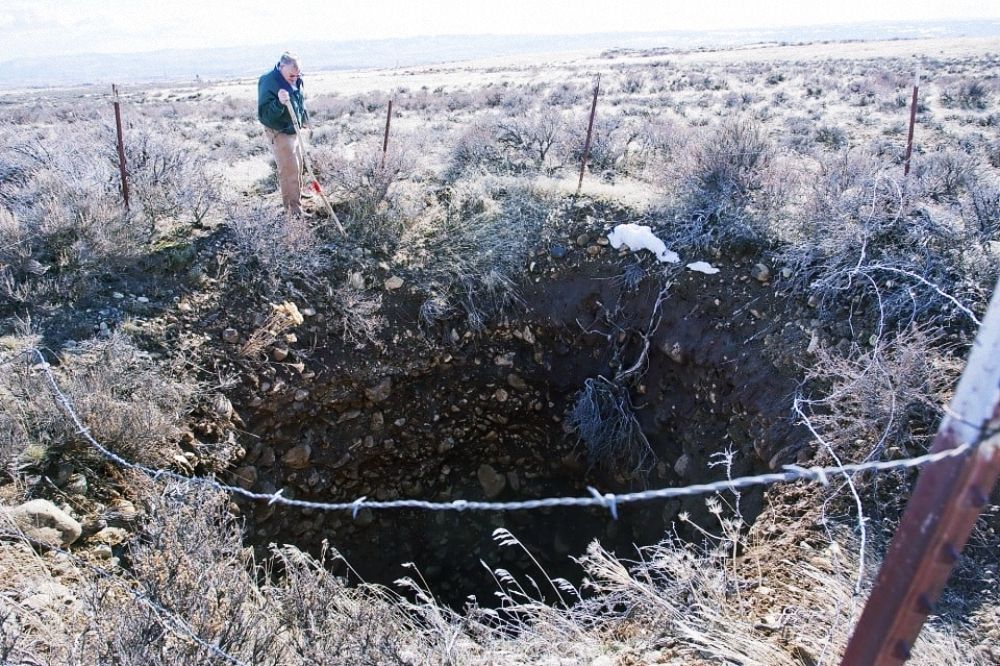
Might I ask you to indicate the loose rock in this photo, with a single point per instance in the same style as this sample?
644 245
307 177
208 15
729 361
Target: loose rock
381 391
43 521
246 476
223 406
516 382
267 457
122 511
393 283
76 484
493 482
111 536
683 465
297 457
356 280
504 360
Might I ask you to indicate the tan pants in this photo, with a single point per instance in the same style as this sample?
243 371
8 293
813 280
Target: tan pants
288 156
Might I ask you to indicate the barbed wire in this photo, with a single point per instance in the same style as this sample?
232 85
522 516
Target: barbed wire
609 501
13 357
167 617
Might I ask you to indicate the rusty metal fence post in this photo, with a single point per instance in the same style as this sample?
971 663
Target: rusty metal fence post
913 120
947 500
590 131
121 144
385 141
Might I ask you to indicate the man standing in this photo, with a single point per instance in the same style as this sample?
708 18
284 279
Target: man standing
275 90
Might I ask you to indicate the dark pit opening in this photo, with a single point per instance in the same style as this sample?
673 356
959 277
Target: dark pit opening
484 417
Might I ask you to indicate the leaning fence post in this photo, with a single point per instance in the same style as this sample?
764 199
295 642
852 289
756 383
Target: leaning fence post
121 144
385 141
913 120
948 498
590 130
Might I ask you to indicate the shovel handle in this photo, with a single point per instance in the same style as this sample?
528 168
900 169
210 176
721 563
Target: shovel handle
308 164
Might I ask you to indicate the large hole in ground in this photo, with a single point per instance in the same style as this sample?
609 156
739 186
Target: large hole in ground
484 417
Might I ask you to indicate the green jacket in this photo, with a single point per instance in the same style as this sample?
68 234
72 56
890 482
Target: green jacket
271 112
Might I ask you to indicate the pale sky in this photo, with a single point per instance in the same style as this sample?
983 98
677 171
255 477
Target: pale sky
56 27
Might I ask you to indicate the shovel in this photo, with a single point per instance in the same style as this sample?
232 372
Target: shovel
314 185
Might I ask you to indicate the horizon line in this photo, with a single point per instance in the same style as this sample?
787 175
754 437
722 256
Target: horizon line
685 31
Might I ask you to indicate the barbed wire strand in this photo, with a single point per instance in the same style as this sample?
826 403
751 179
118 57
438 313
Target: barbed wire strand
13 357
609 501
180 627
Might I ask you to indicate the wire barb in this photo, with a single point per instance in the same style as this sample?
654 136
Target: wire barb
356 507
607 500
816 473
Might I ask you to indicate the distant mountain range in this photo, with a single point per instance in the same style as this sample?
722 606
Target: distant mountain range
178 65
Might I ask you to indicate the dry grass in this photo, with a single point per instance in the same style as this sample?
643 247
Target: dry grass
125 399
193 595
884 396
468 251
283 317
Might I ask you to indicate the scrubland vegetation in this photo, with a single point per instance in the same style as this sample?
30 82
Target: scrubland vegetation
163 324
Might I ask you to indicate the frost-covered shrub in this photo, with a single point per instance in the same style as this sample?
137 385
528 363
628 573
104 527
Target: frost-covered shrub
170 178
531 137
477 148
364 187
272 248
970 95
